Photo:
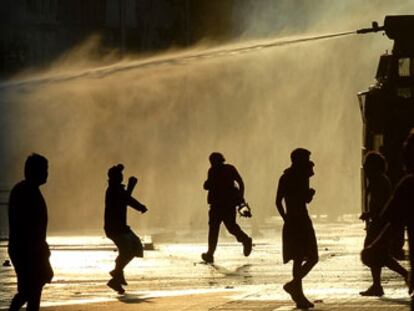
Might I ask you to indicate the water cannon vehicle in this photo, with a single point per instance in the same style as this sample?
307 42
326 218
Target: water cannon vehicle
387 107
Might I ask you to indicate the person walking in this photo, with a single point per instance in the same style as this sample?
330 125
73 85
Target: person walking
299 240
378 193
28 249
399 212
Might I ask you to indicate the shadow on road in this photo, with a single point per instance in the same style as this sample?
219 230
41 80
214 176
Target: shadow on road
134 298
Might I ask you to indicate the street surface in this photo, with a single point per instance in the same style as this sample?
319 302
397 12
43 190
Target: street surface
235 282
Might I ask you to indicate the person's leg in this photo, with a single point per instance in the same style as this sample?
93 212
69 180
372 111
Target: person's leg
33 299
297 270
394 265
121 261
300 238
307 266
375 289
376 276
397 239
229 219
294 287
214 222
17 302
125 253
301 269
20 298
128 249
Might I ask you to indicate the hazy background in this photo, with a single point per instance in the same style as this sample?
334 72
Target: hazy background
162 122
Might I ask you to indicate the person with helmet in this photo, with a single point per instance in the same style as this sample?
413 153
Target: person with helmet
298 235
225 192
117 198
378 193
28 249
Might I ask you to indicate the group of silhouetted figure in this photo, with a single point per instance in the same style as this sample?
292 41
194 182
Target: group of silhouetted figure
29 251
388 211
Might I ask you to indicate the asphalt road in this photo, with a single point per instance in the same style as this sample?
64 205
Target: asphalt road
81 267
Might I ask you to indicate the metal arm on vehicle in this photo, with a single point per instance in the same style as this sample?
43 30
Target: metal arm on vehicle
375 28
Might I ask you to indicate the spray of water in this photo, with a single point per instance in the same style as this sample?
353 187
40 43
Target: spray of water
249 101
165 61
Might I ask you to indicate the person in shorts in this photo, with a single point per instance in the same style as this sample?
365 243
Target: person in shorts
298 235
117 199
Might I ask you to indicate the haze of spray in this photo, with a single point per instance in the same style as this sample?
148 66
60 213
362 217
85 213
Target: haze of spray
162 122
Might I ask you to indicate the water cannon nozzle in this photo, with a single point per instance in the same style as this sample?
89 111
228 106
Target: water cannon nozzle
375 28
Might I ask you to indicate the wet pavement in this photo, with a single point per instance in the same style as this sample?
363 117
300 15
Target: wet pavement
175 270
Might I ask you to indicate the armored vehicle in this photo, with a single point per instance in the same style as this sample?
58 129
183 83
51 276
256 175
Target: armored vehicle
387 107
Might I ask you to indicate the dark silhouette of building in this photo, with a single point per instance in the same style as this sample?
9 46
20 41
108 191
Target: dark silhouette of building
36 32
33 33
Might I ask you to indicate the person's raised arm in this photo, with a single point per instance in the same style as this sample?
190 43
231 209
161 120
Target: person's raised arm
131 201
135 204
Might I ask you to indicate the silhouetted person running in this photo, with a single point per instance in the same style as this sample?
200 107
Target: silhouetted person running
225 191
299 241
28 249
117 198
378 193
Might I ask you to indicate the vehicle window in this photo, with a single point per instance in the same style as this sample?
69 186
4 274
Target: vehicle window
405 67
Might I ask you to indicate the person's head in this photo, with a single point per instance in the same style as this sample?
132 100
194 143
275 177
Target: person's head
300 159
36 169
374 163
216 159
408 152
115 174
300 156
